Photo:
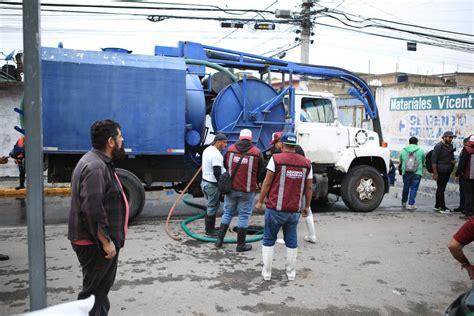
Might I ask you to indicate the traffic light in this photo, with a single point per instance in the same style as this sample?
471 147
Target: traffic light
265 26
237 25
411 46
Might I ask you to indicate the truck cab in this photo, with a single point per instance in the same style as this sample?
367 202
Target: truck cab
346 161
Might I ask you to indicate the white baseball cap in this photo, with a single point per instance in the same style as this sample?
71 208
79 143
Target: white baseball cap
246 134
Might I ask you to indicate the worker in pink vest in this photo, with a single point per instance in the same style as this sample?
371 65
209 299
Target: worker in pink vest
245 163
289 176
308 220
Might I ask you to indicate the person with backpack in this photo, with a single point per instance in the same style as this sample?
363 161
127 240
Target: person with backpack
465 171
442 162
412 159
244 161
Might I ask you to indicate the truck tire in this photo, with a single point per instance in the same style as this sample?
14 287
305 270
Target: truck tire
362 189
133 190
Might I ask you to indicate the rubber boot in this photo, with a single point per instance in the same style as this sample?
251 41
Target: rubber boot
267 258
4 257
220 237
210 223
241 245
309 223
291 254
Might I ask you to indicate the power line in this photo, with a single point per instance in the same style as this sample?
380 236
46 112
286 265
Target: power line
398 23
396 37
210 8
401 30
232 32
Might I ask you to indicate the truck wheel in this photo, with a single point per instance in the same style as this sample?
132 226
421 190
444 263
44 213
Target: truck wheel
133 190
362 189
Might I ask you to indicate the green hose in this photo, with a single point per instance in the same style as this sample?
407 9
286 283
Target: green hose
211 65
184 223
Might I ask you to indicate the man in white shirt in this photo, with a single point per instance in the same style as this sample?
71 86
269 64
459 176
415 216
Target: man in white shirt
212 168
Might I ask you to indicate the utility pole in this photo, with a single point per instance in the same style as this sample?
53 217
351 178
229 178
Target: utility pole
34 154
306 27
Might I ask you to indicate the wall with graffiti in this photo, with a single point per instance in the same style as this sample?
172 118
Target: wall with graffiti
426 113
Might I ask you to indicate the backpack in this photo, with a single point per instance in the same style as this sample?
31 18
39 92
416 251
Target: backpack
225 183
428 165
411 164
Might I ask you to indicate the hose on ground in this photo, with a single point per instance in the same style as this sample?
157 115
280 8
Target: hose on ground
176 237
257 237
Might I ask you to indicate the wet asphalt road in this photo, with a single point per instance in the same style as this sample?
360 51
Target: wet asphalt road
388 262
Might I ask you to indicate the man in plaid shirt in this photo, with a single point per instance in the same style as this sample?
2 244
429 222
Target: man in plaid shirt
98 220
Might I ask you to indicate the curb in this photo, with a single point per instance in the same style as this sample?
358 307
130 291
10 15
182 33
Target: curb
8 192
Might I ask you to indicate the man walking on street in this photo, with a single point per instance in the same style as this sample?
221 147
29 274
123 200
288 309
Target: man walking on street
212 168
244 163
465 173
98 220
412 159
442 161
288 177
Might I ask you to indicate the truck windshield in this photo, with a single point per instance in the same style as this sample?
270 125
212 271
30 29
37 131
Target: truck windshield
316 110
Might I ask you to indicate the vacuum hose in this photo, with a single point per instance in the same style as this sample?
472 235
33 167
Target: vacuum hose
257 237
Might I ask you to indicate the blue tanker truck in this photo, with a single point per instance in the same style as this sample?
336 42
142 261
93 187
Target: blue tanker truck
162 102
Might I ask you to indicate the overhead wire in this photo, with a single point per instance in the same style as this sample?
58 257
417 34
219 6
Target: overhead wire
233 31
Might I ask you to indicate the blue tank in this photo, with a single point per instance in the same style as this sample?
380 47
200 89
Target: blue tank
161 109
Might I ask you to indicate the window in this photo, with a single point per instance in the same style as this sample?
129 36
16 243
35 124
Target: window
316 110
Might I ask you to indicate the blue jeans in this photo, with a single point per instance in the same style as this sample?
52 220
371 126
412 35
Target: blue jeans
411 182
213 197
238 203
274 220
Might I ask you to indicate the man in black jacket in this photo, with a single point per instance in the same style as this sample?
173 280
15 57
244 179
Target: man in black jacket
442 161
98 220
465 173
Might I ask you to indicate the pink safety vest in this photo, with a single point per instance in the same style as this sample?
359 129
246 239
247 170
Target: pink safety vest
246 178
291 171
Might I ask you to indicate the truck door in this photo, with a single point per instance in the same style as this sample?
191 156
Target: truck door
319 133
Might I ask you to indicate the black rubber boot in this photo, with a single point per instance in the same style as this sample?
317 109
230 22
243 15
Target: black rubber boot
22 179
220 238
4 257
241 245
210 223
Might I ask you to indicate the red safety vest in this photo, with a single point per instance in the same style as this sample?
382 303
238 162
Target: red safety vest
20 143
245 179
291 171
468 172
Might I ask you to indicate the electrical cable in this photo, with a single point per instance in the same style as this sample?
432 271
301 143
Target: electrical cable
453 47
402 30
233 31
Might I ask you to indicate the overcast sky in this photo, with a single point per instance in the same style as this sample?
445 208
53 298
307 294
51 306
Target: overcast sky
335 47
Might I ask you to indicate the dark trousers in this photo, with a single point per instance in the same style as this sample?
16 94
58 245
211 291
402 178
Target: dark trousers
443 178
461 194
468 188
22 171
98 276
